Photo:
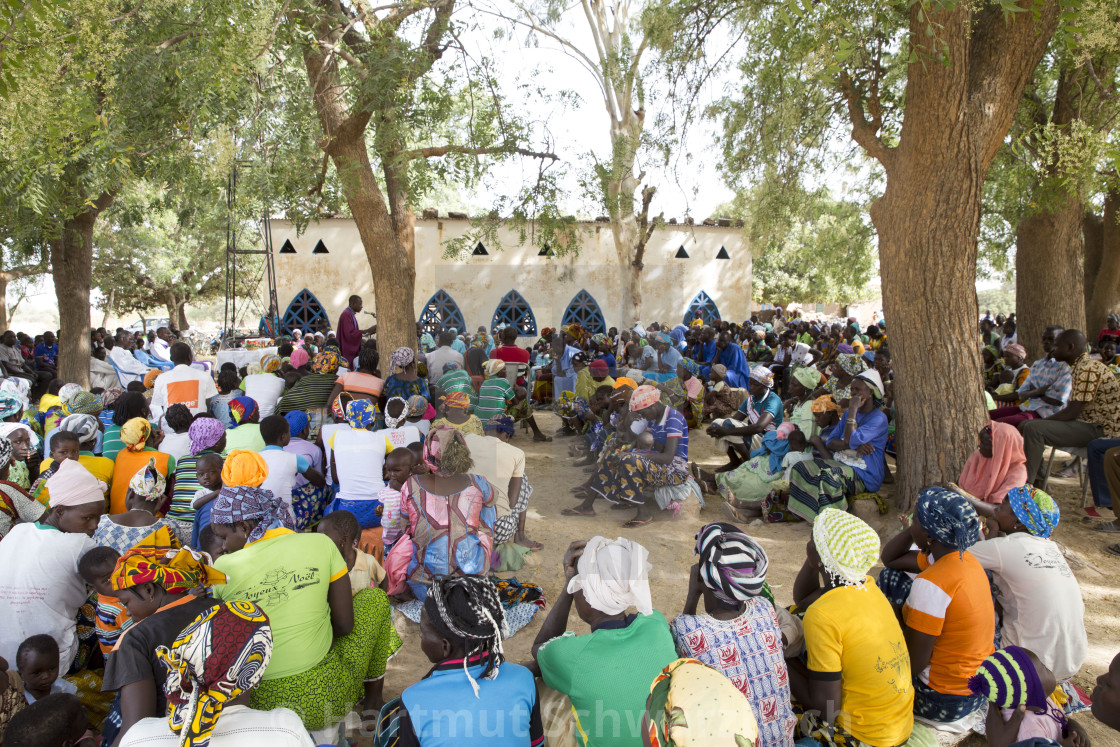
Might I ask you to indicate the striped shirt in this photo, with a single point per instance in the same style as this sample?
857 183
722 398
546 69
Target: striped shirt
492 398
458 381
112 620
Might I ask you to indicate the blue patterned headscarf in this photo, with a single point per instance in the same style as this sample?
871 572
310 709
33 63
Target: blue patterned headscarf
361 413
10 405
691 366
297 422
1035 509
500 423
948 517
245 503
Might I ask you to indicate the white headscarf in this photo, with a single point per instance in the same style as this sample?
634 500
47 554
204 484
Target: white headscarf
614 576
7 429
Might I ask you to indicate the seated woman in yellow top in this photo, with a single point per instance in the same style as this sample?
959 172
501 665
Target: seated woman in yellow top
74 439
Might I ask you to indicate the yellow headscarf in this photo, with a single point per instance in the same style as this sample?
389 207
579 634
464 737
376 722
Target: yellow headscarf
244 468
135 434
159 559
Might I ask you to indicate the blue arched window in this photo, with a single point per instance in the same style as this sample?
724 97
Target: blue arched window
441 309
702 307
514 311
304 313
584 310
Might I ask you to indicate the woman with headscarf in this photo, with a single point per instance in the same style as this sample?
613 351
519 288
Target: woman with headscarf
16 505
947 609
740 636
85 428
147 490
205 435
457 414
855 649
33 553
1040 599
449 517
23 441
365 381
245 429
767 471
153 581
314 390
799 405
845 368
759 413
625 477
357 460
329 646
132 459
997 466
130 405
850 455
403 381
692 703
212 667
605 673
420 413
265 384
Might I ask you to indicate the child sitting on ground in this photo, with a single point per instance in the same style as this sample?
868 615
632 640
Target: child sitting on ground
54 720
37 662
398 468
64 445
364 570
208 470
95 568
176 440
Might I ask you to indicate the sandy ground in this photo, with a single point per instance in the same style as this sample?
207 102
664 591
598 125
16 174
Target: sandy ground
670 543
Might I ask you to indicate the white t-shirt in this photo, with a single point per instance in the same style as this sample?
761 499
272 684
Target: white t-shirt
282 471
58 686
498 462
131 369
403 436
40 589
359 459
182 385
238 726
327 432
177 445
265 389
1042 606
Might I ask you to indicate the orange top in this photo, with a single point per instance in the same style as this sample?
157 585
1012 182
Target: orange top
360 382
126 465
952 600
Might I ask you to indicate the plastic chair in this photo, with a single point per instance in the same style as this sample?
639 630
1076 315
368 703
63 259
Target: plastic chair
124 378
1083 457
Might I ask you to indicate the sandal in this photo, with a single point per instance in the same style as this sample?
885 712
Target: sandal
542 439
1113 549
575 512
634 523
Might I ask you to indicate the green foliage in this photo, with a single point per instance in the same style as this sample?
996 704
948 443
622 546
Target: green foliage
999 300
807 247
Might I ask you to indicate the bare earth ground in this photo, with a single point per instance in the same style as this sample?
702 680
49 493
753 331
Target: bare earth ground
670 543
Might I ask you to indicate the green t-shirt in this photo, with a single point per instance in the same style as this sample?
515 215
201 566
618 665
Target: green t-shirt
287 575
607 673
246 436
492 398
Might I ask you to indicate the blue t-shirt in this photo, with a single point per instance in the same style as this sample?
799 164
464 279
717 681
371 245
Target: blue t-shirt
672 423
50 352
871 428
771 403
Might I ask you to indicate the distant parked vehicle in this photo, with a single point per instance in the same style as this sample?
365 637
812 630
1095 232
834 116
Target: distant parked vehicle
149 325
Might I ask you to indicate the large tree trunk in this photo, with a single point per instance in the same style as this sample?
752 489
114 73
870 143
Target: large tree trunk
928 221
72 268
624 228
3 302
1050 272
1105 299
181 314
108 307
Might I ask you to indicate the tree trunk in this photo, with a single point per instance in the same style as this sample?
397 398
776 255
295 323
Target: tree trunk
1106 286
72 268
624 228
928 220
1050 270
4 302
108 307
184 325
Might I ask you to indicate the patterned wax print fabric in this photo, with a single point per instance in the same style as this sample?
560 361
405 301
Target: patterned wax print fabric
748 650
1096 386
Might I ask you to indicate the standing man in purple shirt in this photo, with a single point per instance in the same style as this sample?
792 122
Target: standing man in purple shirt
350 332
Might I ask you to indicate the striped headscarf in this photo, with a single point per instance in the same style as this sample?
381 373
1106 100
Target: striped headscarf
83 426
5 452
148 483
1035 509
244 503
204 434
361 413
159 559
847 545
10 405
82 402
948 517
270 363
242 409
457 400
326 362
134 434
220 655
732 565
1008 679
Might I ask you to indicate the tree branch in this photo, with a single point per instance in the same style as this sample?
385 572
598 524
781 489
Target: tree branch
864 132
442 150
